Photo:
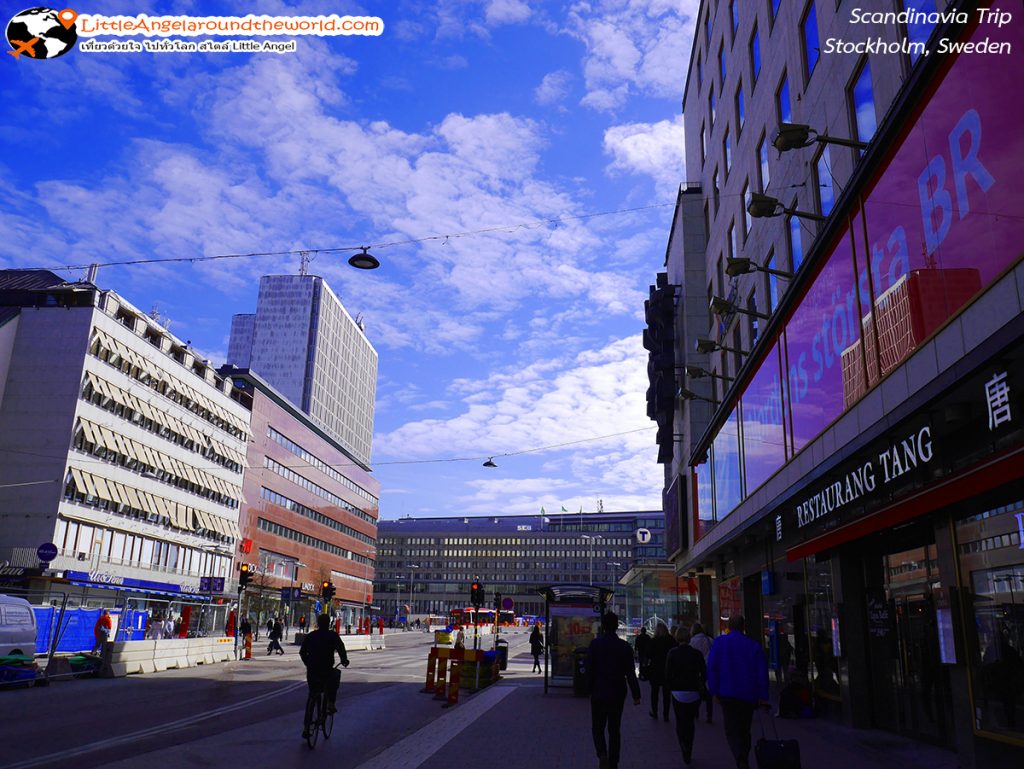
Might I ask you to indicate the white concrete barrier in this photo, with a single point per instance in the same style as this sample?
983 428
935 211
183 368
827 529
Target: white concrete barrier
167 654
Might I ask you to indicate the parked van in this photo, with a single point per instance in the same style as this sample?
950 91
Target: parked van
17 626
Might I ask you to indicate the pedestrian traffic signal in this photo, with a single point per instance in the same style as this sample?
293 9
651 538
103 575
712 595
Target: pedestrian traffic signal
244 575
327 590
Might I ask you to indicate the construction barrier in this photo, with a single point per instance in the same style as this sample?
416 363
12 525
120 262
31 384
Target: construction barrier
248 647
428 687
152 656
453 686
476 669
442 675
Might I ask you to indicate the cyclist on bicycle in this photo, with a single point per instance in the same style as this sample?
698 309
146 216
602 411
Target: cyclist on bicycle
317 653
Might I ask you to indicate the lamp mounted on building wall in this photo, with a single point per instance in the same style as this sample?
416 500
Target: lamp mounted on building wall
696 372
720 306
705 346
794 136
765 206
364 260
734 267
690 395
490 462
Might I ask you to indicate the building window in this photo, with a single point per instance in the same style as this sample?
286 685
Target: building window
775 8
739 107
862 102
762 152
732 244
700 72
754 328
826 184
703 146
755 56
727 152
773 283
810 33
919 32
782 101
796 249
714 190
711 105
707 26
734 17
721 62
744 202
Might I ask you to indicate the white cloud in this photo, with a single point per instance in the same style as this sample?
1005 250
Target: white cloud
633 45
654 149
553 88
506 12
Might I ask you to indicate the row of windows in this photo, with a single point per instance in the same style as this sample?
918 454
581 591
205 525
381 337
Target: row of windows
91 395
305 539
162 386
81 444
502 541
121 549
313 515
299 480
320 465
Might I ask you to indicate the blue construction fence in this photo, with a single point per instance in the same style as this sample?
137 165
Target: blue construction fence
76 631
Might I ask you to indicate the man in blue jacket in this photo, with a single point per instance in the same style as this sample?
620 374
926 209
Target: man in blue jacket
738 676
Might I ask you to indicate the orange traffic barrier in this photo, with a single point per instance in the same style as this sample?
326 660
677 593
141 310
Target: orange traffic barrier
248 647
453 684
431 670
442 674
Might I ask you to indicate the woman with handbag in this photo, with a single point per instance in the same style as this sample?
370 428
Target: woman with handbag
685 677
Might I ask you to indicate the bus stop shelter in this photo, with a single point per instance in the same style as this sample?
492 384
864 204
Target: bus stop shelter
572 618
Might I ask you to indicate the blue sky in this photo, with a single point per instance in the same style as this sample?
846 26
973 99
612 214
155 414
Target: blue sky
461 116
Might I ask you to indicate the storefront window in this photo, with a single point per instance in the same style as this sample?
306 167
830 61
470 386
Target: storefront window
764 449
990 547
728 492
820 655
705 500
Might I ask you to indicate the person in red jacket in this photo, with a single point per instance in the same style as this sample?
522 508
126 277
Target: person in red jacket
101 630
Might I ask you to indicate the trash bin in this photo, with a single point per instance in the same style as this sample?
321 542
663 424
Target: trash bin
580 674
501 647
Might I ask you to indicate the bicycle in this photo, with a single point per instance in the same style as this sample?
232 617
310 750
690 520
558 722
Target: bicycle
319 717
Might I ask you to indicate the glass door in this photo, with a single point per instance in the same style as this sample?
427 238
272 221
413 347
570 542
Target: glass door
918 681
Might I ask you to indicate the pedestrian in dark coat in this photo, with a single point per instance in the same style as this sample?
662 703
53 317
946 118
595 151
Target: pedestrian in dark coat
610 669
536 647
738 676
685 676
660 646
643 653
276 631
701 641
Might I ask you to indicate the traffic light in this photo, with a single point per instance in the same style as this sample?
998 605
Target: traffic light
244 575
497 600
326 590
476 594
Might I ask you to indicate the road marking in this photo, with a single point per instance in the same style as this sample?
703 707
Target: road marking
414 750
153 730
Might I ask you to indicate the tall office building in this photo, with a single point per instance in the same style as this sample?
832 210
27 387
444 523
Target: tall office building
849 476
304 344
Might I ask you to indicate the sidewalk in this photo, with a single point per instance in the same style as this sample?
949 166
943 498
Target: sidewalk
553 732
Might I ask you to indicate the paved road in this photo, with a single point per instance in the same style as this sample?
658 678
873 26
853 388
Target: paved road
201 716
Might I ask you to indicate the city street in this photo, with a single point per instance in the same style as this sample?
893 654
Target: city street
251 712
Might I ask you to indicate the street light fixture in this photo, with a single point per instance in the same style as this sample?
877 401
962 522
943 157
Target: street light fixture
794 136
720 306
696 372
705 346
366 580
490 462
364 260
412 581
736 266
765 206
690 395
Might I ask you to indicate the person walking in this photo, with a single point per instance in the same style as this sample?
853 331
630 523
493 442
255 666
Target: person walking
101 630
536 647
643 652
302 623
611 670
276 631
738 676
685 677
701 641
661 644
270 625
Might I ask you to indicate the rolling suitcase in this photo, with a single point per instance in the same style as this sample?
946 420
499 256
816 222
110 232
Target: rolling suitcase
776 753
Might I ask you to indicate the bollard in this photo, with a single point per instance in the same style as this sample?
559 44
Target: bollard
453 683
431 670
248 647
442 670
